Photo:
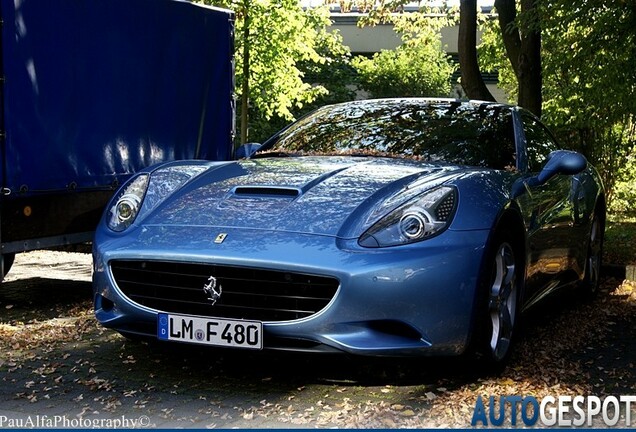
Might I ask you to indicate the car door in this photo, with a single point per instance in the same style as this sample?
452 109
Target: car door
551 217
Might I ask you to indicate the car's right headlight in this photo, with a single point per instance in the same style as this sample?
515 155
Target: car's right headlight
126 205
418 219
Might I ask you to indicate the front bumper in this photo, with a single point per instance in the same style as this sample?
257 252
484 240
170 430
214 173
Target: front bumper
401 301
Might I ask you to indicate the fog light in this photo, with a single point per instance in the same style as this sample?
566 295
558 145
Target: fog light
103 303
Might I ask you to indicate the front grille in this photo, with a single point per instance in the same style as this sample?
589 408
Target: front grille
246 293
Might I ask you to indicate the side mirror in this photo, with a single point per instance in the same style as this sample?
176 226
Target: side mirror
246 150
561 162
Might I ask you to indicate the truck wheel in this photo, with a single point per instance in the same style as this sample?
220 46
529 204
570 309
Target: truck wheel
7 262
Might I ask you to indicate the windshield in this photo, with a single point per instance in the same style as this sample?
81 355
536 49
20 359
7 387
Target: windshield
432 131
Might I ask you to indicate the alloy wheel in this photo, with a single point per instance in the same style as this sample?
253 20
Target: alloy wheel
503 301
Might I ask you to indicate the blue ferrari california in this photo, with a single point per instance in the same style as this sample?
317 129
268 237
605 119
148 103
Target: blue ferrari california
395 227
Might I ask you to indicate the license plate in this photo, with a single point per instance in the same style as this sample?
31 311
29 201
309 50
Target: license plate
210 331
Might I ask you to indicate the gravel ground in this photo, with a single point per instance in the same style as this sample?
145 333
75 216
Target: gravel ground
55 360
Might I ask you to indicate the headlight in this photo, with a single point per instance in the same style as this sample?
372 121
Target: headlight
127 204
421 218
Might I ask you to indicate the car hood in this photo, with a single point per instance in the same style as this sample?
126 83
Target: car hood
335 196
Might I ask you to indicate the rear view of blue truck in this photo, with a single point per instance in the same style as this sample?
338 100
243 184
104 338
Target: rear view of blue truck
95 90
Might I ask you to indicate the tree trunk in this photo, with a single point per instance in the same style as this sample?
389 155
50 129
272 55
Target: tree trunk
472 81
523 49
530 79
507 14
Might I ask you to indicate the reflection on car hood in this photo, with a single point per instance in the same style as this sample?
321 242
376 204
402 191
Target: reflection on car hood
314 195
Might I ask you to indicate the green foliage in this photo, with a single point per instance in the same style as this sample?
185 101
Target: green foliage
492 57
282 36
620 232
589 79
625 187
418 67
592 69
335 75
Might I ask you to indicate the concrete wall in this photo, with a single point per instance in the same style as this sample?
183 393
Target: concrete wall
368 40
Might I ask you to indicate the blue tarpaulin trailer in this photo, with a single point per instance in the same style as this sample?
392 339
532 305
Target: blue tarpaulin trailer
94 90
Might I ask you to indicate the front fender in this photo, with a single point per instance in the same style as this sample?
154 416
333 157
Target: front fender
483 197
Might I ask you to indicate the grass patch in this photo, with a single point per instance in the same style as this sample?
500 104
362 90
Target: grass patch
620 233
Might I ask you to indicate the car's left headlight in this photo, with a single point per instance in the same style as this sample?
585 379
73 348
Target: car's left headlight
126 205
420 218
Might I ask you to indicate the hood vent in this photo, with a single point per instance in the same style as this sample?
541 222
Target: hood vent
272 191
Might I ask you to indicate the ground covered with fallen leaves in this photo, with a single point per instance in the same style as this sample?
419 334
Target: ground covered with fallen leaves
55 360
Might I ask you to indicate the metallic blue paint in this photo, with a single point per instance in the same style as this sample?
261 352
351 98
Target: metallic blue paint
305 214
373 283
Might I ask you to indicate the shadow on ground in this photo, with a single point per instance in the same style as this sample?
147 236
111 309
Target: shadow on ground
56 357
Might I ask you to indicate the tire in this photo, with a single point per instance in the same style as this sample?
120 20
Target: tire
7 263
497 305
590 283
